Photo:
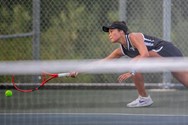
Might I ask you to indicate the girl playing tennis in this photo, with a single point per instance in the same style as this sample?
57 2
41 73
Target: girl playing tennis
138 46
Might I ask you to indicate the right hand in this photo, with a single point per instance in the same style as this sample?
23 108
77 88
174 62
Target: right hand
73 74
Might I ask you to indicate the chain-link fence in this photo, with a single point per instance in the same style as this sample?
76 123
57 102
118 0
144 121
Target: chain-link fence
71 29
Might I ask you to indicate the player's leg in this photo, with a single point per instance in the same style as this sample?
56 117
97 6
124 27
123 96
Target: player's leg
143 99
181 77
172 51
154 54
139 84
138 80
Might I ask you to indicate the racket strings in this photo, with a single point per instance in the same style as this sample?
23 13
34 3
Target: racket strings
19 89
45 77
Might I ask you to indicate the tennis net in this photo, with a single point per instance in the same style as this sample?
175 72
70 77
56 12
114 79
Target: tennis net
94 96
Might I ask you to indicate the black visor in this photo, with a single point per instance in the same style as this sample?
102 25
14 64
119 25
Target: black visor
115 26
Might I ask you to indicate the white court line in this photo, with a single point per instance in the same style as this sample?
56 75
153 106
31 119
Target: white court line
162 90
107 114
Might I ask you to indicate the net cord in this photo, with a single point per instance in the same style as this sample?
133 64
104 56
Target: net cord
93 66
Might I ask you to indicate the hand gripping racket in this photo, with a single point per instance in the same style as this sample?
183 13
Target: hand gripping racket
45 78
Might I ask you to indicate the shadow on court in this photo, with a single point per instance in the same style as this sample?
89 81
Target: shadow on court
72 107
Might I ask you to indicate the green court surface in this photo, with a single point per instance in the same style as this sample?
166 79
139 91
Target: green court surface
93 101
97 103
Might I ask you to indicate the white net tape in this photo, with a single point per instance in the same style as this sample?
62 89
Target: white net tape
94 66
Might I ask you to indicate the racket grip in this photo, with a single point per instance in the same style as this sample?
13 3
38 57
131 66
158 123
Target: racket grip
63 74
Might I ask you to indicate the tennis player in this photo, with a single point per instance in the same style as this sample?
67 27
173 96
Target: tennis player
138 46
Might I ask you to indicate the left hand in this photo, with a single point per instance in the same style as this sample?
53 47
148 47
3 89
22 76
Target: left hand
124 76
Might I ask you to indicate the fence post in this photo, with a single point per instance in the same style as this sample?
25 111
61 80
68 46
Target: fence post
36 34
166 36
122 10
36 29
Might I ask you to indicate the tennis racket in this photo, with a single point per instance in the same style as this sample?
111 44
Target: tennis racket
45 77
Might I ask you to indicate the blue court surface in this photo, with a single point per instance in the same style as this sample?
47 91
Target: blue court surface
91 119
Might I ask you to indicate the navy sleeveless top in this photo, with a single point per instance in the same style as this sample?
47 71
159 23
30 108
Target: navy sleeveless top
152 43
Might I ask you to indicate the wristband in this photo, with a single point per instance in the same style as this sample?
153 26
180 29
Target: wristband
133 73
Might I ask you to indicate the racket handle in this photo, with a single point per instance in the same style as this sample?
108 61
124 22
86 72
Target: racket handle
63 74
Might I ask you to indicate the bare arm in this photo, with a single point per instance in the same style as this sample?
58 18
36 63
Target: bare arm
138 42
115 54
